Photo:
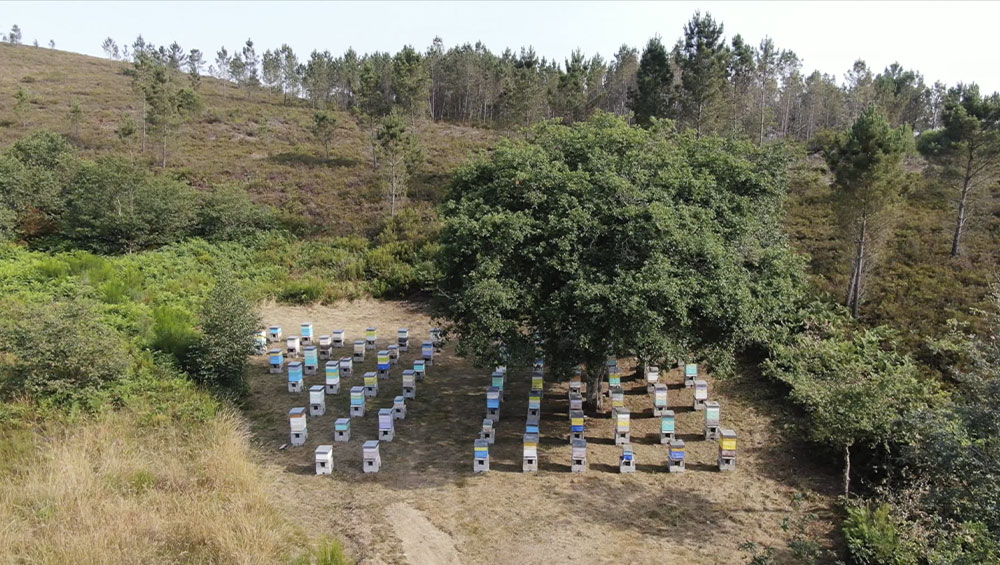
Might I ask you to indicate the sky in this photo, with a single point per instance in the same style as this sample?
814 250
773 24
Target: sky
948 41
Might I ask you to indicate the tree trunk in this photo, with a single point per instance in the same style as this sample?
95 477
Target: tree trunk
763 94
163 152
847 471
143 150
594 380
854 290
956 242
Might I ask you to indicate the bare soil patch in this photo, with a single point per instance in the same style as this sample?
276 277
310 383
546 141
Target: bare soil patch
427 506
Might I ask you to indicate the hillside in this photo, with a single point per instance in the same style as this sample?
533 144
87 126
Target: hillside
258 142
640 243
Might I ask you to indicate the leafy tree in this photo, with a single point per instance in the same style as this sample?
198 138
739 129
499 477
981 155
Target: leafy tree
570 96
323 127
702 58
52 44
966 152
114 207
290 71
610 240
654 79
222 62
867 164
228 213
903 96
741 78
399 154
853 383
15 35
270 69
228 321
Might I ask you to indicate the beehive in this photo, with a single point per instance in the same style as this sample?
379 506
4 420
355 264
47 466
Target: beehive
712 420
370 336
399 408
617 398
530 459
338 338
274 333
393 354
623 426
297 424
276 357
419 369
575 401
482 456
497 380
626 463
382 364
575 425
371 384
659 399
311 359
667 426
359 350
700 394
307 333
493 403
614 377
676 457
332 369
537 380
372 460
403 339
346 366
409 384
531 425
579 456
488 433
538 365
292 346
534 402
342 429
260 343
386 425
325 347
427 352
727 450
652 375
690 374
317 400
324 460
358 401
295 376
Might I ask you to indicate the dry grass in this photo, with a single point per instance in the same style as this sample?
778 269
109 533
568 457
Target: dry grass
112 491
427 501
261 143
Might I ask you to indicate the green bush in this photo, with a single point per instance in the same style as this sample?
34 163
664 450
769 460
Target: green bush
873 538
228 213
173 332
306 291
58 350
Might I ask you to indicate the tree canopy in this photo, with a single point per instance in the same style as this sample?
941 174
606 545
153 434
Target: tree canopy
607 239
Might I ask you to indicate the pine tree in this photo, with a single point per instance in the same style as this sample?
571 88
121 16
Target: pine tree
702 58
654 80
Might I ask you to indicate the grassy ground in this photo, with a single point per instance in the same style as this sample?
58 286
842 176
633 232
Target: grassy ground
427 506
259 142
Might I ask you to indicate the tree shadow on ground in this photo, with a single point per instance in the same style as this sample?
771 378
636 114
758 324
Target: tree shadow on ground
305 159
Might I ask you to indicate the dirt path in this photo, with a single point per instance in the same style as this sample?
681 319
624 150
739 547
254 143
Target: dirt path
423 543
426 505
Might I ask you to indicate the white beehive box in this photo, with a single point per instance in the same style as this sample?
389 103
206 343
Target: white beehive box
317 400
324 460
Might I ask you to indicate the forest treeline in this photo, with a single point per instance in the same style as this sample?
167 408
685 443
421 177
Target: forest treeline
706 81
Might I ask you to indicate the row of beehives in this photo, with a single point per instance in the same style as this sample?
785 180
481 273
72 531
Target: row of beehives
372 461
620 414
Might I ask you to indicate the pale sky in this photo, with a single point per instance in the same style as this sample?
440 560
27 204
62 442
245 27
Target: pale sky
948 41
